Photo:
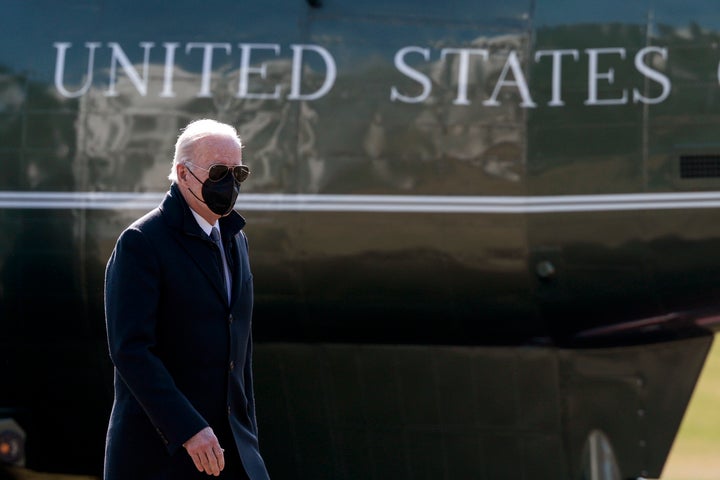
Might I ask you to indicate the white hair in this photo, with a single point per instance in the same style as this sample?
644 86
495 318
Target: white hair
194 131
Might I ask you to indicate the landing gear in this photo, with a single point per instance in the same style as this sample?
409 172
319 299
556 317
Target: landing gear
598 460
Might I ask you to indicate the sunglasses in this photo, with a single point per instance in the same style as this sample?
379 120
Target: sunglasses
218 171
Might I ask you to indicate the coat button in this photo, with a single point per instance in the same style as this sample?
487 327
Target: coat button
232 365
230 319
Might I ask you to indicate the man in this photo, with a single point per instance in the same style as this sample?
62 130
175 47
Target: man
178 309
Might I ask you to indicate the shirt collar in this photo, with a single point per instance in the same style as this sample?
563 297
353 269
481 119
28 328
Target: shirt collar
206 227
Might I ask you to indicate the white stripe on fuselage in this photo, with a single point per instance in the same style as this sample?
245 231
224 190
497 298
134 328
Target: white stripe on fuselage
376 203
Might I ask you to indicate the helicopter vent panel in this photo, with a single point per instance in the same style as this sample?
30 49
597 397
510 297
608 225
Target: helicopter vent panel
700 166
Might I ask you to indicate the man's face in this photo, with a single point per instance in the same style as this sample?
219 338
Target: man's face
208 151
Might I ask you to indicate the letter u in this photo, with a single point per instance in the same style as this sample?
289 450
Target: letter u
60 69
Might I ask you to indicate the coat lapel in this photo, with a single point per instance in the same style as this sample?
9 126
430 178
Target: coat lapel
235 267
203 253
199 247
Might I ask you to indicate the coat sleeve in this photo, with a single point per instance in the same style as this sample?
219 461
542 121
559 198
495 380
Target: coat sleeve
248 372
132 293
249 389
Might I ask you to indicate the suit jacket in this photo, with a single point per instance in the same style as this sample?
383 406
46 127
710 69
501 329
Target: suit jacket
182 355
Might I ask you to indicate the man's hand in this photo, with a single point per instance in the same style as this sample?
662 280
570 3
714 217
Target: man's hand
205 451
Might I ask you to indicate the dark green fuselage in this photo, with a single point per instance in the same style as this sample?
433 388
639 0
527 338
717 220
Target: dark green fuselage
479 231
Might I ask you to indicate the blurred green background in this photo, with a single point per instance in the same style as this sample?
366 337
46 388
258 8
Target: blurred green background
695 454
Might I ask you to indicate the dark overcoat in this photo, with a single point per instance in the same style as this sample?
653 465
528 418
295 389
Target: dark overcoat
182 355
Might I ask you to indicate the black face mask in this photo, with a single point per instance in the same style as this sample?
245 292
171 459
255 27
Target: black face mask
219 196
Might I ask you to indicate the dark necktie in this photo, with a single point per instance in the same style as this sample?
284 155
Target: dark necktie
215 236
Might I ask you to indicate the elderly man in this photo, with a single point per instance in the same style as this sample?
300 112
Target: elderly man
178 306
